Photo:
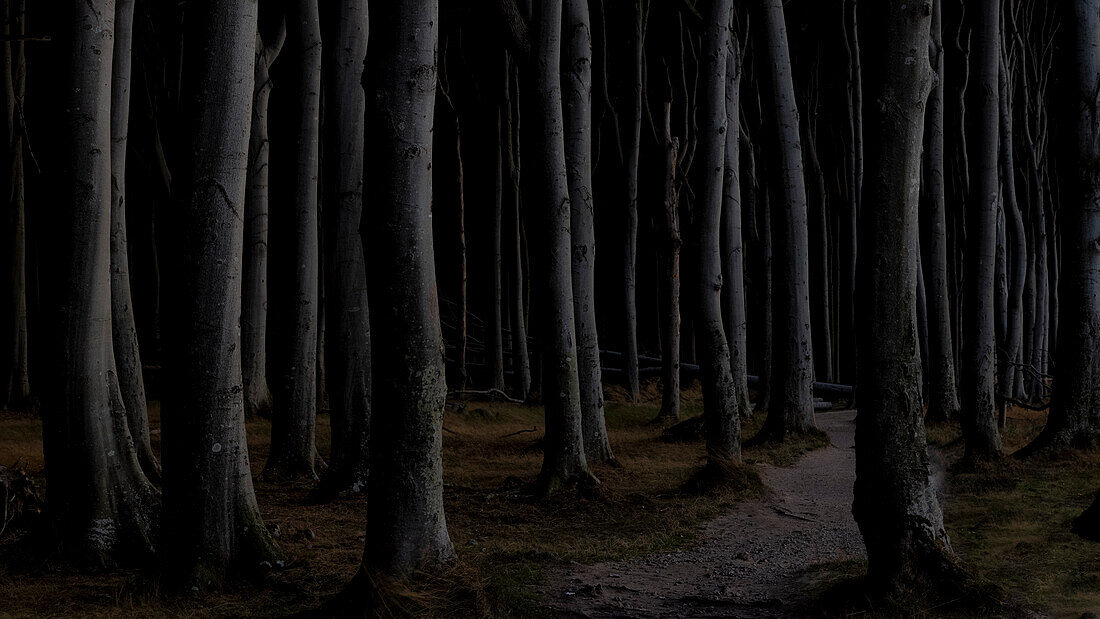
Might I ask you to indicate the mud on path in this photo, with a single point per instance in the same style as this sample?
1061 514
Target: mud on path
753 562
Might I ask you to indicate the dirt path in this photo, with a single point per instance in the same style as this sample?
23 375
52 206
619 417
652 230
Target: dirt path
750 563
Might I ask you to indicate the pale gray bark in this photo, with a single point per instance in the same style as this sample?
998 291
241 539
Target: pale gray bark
670 271
895 501
720 407
406 526
943 399
257 394
99 503
1016 249
124 332
792 376
576 85
979 371
347 347
293 437
212 532
733 247
521 360
547 193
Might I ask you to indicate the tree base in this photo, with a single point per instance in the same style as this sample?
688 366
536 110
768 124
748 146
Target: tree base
550 484
449 590
335 483
768 435
724 475
687 431
1087 525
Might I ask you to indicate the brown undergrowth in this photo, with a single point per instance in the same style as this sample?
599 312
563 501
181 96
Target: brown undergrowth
504 538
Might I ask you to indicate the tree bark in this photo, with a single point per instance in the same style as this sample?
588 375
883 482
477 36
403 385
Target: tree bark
257 395
293 437
212 530
124 332
348 320
670 288
406 527
1016 250
979 375
720 407
564 462
1074 421
576 87
943 398
100 504
521 360
792 376
895 502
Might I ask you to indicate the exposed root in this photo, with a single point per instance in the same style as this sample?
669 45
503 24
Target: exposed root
455 589
687 431
725 475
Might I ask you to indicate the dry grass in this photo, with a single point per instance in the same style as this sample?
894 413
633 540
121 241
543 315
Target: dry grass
502 536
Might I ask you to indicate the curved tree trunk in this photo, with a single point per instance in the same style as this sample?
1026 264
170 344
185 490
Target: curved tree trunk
895 502
1075 412
1016 239
733 247
792 376
124 332
720 408
293 437
212 530
521 360
257 395
99 503
577 115
406 527
547 193
943 398
347 347
979 371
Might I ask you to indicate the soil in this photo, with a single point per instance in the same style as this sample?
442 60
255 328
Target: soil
756 561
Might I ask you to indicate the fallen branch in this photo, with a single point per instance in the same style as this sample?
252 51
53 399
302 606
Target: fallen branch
534 429
497 393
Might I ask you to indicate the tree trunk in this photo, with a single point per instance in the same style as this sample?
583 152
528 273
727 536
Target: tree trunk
670 288
564 461
895 503
979 369
792 410
496 324
212 530
720 407
100 504
521 360
943 399
1074 421
1016 240
849 234
576 87
293 440
406 527
124 332
347 346
733 247
257 395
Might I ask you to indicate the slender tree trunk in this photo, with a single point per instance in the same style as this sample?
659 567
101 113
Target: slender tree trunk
792 377
670 288
496 326
943 399
576 86
348 318
406 527
521 360
1016 239
124 332
820 288
979 369
720 407
100 504
733 246
212 529
1074 421
257 395
849 225
564 461
293 439
895 503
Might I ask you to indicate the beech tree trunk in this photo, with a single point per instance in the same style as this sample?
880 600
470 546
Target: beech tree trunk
547 193
670 288
943 398
212 530
733 247
1074 421
406 528
895 502
722 415
1016 249
257 395
347 347
979 373
521 360
127 356
576 86
792 374
293 439
100 504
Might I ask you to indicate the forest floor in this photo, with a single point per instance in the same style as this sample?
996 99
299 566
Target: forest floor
756 551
